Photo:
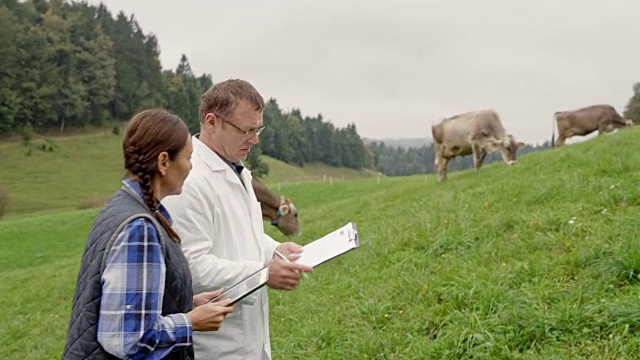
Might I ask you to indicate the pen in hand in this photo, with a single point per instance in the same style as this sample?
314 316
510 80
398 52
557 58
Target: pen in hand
279 254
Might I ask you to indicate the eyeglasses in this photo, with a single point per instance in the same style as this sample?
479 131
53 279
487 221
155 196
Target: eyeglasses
247 133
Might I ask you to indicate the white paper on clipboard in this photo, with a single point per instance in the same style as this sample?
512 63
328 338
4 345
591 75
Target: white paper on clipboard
329 246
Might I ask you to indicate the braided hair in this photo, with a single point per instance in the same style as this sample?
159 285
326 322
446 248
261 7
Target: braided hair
148 134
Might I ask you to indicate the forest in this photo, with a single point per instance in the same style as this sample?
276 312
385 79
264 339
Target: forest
67 65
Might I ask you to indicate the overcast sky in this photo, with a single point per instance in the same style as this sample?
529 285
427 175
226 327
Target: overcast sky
395 67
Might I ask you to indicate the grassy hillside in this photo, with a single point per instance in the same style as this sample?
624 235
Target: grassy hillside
82 171
540 260
78 171
280 172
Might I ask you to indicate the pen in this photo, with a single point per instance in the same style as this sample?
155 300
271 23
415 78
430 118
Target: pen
287 260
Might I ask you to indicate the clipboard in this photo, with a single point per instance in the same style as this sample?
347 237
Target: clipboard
244 287
330 246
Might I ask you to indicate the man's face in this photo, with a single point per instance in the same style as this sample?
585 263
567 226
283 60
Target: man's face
236 134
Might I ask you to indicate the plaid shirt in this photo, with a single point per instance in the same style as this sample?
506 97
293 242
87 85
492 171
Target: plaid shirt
130 324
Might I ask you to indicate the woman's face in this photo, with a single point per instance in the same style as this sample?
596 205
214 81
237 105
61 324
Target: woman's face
177 170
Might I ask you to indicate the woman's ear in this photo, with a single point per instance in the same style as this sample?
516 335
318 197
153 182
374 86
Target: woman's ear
163 163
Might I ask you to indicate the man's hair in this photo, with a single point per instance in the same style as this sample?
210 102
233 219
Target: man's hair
222 98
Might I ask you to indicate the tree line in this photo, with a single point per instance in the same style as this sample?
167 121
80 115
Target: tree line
632 110
70 64
403 161
66 65
297 139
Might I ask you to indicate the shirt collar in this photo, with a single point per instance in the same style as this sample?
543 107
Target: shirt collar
237 167
135 186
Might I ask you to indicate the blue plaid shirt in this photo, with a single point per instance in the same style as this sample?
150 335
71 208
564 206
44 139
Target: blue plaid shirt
130 324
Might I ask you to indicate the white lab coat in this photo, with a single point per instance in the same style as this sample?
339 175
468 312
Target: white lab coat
221 227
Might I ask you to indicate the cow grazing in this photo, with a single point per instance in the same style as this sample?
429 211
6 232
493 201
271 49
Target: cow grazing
476 132
280 210
584 121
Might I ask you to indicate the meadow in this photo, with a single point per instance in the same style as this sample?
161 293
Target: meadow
82 171
540 260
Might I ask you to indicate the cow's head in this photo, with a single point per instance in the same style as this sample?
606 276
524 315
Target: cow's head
278 209
287 218
508 147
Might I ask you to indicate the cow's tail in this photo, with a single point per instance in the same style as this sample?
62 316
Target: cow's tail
553 129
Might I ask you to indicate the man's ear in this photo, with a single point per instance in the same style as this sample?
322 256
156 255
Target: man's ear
163 163
210 119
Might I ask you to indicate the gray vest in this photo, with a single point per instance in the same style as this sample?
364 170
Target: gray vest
124 206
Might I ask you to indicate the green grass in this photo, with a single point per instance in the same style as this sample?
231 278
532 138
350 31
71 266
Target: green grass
38 269
540 260
280 172
82 171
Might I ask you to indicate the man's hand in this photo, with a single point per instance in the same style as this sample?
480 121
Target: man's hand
289 249
284 275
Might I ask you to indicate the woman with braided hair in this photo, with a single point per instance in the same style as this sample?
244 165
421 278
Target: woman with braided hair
134 297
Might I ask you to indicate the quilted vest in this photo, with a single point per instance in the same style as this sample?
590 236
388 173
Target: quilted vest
124 206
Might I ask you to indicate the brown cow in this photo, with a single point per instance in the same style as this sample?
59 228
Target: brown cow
476 132
280 210
584 121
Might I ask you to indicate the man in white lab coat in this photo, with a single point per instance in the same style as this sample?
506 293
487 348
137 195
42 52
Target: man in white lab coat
220 222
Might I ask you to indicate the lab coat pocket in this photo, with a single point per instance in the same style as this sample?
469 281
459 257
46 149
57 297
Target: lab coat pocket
249 300
238 309
245 303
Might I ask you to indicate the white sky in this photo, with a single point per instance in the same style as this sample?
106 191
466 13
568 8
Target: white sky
395 67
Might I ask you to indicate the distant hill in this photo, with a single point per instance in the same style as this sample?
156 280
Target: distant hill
401 142
60 172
